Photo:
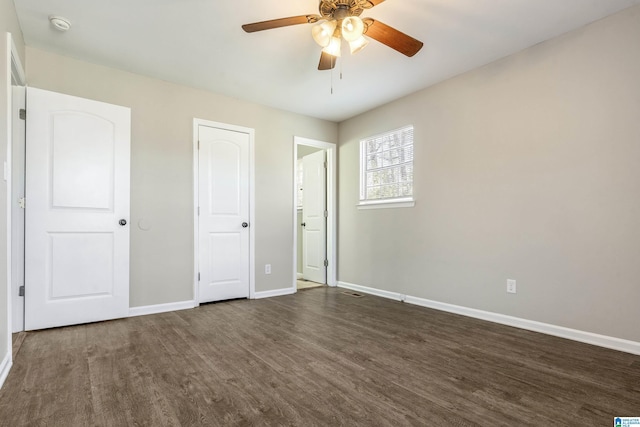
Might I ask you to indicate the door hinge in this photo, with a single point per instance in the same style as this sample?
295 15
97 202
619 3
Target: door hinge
325 165
198 145
198 277
23 114
326 214
22 202
326 263
198 210
21 291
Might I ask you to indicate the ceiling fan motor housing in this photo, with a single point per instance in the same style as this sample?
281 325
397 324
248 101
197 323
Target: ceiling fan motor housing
340 9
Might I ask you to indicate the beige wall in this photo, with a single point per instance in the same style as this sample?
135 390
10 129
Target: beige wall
529 169
305 150
8 23
162 171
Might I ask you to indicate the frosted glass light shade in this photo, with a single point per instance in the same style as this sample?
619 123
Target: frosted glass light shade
323 32
352 28
358 44
334 47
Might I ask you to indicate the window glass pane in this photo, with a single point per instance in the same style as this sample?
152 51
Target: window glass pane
389 191
386 159
372 193
372 179
398 156
373 146
375 161
385 144
389 177
407 152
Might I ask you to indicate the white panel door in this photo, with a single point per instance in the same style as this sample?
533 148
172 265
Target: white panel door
77 192
223 229
314 205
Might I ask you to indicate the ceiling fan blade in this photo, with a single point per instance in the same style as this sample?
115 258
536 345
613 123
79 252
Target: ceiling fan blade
391 37
282 22
373 3
327 62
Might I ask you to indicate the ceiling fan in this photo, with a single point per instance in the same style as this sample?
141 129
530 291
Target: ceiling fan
340 19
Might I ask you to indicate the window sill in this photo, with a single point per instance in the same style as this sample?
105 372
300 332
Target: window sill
382 204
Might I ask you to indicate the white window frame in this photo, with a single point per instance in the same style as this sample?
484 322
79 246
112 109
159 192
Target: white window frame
395 202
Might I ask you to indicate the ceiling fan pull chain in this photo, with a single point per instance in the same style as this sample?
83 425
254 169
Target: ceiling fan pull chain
332 81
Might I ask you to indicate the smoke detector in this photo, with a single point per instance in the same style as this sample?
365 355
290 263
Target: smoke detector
60 23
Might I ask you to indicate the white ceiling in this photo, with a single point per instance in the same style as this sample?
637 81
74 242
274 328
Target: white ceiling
199 43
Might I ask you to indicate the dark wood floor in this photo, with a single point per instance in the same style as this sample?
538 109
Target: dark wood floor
315 358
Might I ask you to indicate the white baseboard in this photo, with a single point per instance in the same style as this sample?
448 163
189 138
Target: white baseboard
613 343
161 308
299 276
5 367
274 293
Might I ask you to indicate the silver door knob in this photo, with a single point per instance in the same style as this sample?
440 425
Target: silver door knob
245 225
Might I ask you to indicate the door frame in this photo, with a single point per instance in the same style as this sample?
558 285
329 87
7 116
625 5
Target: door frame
196 182
17 230
17 176
332 241
16 75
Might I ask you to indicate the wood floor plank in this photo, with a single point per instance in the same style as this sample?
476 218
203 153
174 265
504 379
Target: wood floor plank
318 357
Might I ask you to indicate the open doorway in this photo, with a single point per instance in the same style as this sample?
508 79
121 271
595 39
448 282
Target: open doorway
311 177
314 213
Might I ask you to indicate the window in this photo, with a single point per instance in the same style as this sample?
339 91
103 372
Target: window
386 169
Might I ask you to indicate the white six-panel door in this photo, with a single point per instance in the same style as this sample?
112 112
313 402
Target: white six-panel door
223 221
314 232
77 197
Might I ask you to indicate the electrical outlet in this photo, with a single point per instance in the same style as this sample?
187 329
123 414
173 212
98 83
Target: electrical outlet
511 286
267 269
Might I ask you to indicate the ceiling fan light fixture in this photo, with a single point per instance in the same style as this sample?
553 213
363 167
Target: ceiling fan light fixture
358 44
323 32
352 28
334 47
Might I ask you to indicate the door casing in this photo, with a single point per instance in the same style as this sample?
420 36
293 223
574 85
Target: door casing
15 303
331 150
17 161
196 179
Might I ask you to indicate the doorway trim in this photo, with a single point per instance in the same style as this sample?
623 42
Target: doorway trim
331 150
17 77
13 228
252 233
15 73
